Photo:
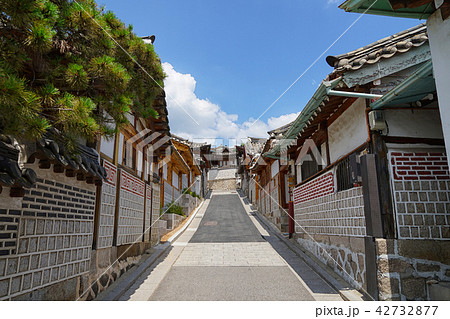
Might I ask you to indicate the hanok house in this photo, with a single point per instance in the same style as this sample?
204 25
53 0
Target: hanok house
64 220
251 152
377 208
271 182
222 157
192 180
47 217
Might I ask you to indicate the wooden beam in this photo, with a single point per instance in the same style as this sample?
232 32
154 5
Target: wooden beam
413 140
445 10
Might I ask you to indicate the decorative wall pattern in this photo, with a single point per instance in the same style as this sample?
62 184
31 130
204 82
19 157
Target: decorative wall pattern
421 184
108 207
320 186
340 213
156 206
8 231
131 209
148 212
55 232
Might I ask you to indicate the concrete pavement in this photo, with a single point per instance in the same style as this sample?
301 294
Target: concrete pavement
226 254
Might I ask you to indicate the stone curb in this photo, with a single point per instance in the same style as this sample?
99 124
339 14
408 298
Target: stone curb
347 292
121 285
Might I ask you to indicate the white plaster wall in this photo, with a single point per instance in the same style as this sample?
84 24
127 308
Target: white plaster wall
275 168
165 171
8 202
184 181
140 159
107 147
414 123
439 34
323 152
121 137
174 179
349 131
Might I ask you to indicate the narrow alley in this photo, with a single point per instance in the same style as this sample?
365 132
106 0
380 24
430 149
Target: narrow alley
227 254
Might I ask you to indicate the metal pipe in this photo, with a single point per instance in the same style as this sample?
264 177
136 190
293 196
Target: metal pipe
353 94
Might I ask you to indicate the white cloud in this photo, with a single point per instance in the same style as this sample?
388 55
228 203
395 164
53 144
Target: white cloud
213 123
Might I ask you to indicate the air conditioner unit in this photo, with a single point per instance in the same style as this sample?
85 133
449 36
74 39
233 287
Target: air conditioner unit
377 121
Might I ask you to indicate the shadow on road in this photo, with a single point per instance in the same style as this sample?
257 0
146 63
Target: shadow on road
308 275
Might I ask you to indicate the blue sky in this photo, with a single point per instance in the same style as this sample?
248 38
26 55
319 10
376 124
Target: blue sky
227 61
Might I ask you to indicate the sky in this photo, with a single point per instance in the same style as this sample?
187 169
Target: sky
228 61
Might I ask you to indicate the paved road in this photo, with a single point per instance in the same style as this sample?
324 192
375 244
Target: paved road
225 254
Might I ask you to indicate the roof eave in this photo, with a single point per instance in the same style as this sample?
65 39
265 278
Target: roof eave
305 115
424 70
356 6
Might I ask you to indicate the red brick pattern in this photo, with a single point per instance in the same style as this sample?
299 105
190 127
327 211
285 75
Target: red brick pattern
131 183
419 166
111 171
318 187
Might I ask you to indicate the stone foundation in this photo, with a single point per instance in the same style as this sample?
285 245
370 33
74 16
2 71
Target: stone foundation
407 268
345 255
222 184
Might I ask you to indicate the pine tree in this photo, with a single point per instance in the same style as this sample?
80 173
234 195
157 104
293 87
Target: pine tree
63 65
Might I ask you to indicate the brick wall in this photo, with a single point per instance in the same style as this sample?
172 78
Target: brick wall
107 207
9 219
54 234
320 186
131 209
340 213
421 184
332 225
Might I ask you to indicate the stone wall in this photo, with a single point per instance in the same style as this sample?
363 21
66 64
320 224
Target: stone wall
222 184
105 232
148 212
339 213
345 255
331 226
156 205
421 184
168 193
53 235
47 237
131 209
407 268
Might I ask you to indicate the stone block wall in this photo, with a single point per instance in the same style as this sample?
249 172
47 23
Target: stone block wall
131 209
331 226
421 190
168 193
222 184
156 205
339 213
148 212
54 232
105 232
406 268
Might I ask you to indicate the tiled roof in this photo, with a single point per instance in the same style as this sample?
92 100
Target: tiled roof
281 130
382 49
49 148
